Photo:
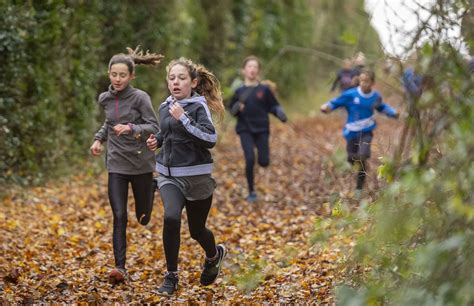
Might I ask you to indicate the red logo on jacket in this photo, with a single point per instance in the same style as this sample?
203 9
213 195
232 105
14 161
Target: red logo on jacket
260 94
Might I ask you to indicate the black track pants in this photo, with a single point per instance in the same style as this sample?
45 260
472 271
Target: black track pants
197 212
249 141
143 192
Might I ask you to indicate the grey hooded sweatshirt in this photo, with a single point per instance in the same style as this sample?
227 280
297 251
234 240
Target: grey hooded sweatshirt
128 154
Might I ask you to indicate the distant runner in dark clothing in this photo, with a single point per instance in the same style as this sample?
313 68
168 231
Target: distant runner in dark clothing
251 104
344 77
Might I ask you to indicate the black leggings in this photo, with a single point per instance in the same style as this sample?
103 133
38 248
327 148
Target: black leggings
358 152
142 187
249 141
197 211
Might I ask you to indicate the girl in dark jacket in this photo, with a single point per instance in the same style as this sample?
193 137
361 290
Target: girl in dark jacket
251 104
184 164
130 119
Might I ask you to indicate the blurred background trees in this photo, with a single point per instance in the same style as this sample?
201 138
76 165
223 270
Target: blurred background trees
413 244
54 57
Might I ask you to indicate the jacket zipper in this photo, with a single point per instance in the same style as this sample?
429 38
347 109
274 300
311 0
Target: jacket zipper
116 109
170 146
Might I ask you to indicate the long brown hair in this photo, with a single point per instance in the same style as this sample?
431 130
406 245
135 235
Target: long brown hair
136 57
208 85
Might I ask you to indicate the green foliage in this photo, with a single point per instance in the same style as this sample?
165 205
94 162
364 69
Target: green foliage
247 278
44 86
54 58
414 244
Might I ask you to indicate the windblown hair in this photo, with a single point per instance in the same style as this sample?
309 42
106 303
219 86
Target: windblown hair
136 57
208 85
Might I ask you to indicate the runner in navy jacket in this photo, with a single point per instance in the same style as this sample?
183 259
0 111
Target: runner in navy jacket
251 104
344 77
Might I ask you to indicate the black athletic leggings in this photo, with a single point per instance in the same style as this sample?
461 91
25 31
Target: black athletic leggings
142 187
249 141
197 211
358 152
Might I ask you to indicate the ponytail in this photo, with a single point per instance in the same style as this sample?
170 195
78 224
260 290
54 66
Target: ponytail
210 87
135 57
151 59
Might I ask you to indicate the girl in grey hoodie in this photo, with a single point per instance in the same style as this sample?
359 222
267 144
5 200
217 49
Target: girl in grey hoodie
129 120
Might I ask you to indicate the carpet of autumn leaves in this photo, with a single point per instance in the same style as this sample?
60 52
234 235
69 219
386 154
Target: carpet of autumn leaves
55 241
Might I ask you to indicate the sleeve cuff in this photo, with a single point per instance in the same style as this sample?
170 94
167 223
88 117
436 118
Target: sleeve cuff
184 119
132 130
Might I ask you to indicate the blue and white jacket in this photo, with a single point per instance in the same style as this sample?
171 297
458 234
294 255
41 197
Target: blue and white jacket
185 143
412 82
360 110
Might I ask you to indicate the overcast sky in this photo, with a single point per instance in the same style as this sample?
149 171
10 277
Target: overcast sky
387 16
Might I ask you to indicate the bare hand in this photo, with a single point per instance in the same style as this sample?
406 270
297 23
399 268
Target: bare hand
241 106
120 129
96 148
152 143
176 110
325 108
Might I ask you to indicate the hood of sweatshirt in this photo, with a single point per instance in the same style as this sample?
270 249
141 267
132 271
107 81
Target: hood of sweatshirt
183 102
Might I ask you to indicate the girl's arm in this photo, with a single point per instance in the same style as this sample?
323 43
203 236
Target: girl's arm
154 141
340 101
102 133
148 117
385 108
275 107
200 129
159 139
235 106
99 138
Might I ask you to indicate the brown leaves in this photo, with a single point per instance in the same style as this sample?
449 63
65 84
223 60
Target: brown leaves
56 241
12 276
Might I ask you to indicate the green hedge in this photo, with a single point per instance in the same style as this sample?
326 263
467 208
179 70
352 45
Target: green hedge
54 58
48 85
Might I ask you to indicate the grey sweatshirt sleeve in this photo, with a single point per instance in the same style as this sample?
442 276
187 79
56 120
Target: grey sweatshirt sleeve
102 134
149 123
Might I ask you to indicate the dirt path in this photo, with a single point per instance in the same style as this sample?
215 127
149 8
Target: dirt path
55 241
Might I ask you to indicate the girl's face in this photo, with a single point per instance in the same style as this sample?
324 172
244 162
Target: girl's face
180 84
251 70
120 76
365 83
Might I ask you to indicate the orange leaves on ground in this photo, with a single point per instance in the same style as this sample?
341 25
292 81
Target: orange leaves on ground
56 241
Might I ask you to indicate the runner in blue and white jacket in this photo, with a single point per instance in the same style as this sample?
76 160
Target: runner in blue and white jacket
360 104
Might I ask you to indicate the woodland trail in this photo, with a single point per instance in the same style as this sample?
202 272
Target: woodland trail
55 241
